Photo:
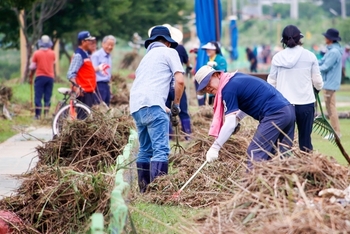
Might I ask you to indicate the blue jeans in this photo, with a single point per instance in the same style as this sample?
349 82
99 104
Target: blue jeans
152 125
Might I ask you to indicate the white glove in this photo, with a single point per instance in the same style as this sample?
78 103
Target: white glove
103 68
212 63
212 155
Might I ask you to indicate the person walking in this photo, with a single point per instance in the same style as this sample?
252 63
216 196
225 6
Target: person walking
252 60
216 61
81 71
239 94
102 62
331 69
295 73
43 65
160 65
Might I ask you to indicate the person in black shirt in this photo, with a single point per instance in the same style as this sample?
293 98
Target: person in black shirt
252 59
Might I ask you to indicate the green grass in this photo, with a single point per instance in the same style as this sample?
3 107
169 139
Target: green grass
152 218
9 128
327 148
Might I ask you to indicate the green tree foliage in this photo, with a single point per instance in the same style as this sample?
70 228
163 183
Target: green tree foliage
20 4
335 5
344 30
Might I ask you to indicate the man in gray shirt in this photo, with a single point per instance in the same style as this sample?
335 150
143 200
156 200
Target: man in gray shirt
148 95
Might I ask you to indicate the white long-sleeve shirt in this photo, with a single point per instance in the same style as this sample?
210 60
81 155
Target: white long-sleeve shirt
294 72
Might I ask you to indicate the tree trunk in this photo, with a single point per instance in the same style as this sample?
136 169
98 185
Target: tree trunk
64 51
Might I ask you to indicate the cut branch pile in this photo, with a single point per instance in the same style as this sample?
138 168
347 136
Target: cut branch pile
89 145
73 178
277 196
59 200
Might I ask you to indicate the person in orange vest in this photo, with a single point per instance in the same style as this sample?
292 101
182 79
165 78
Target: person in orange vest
81 71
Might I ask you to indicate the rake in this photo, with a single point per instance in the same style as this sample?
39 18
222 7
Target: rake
323 128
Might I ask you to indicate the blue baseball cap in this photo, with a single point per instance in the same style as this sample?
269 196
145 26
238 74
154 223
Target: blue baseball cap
85 35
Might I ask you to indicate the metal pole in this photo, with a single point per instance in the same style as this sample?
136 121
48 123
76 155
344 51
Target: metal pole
217 23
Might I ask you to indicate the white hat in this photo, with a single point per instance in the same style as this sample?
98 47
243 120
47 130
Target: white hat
347 46
45 39
209 46
175 33
203 76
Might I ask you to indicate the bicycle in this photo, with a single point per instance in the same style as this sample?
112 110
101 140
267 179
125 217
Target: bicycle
69 109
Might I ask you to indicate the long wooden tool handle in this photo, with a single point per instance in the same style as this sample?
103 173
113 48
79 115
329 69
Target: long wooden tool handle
194 175
342 150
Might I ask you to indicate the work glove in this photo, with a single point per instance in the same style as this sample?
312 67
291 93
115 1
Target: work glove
316 91
175 109
212 155
103 68
174 121
189 69
212 63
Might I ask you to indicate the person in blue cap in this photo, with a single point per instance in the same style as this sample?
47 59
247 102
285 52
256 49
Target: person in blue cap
81 70
148 95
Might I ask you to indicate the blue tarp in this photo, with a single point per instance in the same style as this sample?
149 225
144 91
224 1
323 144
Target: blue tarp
234 40
206 26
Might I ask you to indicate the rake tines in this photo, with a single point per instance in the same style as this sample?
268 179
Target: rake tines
323 128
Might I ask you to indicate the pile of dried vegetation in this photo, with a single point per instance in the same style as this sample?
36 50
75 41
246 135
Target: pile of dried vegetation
278 196
73 178
88 145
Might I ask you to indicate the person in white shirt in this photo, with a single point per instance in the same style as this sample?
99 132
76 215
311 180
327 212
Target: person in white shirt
296 74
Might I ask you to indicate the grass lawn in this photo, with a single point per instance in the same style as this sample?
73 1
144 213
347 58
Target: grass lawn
151 218
326 147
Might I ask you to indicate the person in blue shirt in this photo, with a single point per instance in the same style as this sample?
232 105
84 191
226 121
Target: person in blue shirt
216 61
160 65
330 67
239 95
102 61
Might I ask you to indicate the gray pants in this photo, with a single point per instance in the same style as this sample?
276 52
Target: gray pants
278 127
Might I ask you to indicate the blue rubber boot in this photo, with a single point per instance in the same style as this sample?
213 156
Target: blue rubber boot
158 169
144 176
186 127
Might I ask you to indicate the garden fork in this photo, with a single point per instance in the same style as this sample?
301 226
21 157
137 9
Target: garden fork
177 147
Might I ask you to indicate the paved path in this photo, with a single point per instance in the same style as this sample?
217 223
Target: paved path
18 155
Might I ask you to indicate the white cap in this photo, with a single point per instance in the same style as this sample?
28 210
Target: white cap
203 76
45 39
209 46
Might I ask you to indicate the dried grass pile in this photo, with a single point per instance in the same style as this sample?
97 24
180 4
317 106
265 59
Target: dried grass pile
208 187
120 91
89 145
282 196
73 178
59 200
277 196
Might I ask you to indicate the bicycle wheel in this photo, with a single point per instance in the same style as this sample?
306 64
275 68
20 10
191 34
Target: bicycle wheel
63 116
